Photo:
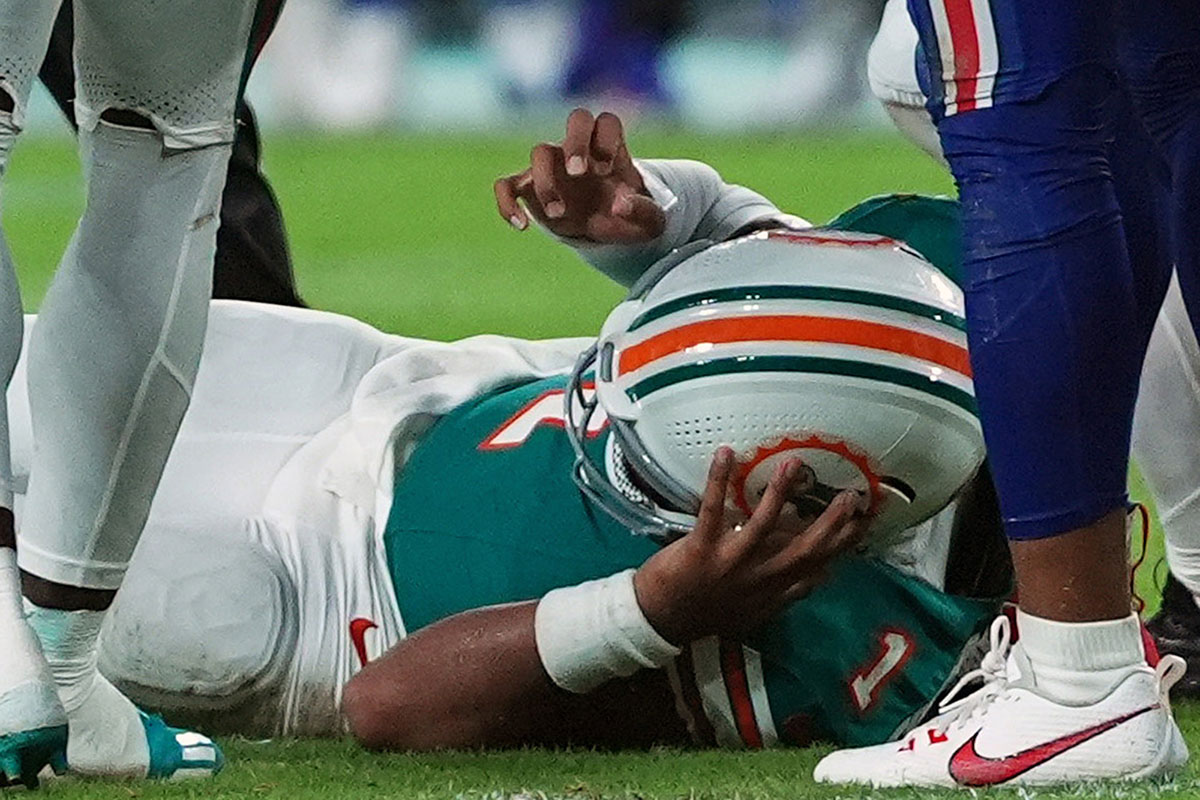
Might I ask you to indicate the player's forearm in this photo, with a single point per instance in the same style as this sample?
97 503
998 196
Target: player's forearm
476 680
698 203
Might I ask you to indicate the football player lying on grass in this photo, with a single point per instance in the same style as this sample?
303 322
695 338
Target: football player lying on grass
758 523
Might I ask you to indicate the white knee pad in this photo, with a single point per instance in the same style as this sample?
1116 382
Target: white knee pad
115 351
892 72
204 624
892 59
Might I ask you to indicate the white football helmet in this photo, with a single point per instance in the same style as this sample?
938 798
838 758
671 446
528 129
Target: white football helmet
846 350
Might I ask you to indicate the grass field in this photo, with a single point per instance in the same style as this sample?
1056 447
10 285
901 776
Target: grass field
400 231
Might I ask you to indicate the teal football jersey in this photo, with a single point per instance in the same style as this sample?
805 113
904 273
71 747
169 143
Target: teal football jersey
486 512
930 225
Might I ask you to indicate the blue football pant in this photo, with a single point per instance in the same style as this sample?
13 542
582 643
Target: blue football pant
1070 216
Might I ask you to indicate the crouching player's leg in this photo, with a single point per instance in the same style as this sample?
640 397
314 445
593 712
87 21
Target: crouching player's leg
32 724
1169 403
118 342
1026 98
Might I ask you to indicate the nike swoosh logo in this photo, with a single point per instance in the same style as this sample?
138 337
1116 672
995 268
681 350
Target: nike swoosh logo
969 768
358 637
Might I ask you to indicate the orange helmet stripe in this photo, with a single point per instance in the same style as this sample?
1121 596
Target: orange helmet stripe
789 328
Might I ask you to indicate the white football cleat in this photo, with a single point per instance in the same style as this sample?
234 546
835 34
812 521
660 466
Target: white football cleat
33 733
33 724
110 737
1006 732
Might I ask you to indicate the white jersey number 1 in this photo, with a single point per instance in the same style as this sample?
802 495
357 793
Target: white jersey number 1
896 648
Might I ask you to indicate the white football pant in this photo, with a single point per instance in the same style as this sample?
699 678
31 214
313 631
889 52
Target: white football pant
116 352
1166 442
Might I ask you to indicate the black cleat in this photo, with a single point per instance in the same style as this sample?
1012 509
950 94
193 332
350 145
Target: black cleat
1176 629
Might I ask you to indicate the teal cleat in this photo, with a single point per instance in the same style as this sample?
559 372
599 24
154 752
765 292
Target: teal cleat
176 754
24 754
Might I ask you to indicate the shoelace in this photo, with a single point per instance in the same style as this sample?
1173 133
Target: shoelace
954 711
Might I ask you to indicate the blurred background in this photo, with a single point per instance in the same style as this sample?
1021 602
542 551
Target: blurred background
712 64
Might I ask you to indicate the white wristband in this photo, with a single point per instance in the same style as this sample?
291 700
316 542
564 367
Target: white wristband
596 631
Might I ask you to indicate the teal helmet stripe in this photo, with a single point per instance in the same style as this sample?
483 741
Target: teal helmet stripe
791 292
812 364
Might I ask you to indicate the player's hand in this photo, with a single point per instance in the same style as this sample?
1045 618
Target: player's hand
727 580
585 188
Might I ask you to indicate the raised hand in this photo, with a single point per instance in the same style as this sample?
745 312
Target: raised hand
585 188
728 579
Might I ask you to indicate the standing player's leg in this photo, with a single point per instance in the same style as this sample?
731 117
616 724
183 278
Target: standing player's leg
1160 60
1052 296
118 341
1159 53
253 260
1169 395
1028 103
32 724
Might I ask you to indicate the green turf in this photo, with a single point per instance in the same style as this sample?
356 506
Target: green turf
307 770
401 231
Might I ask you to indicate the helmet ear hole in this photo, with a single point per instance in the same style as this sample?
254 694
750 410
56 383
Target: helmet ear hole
898 489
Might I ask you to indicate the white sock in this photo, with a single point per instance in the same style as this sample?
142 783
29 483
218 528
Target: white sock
69 640
106 736
27 699
1080 662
